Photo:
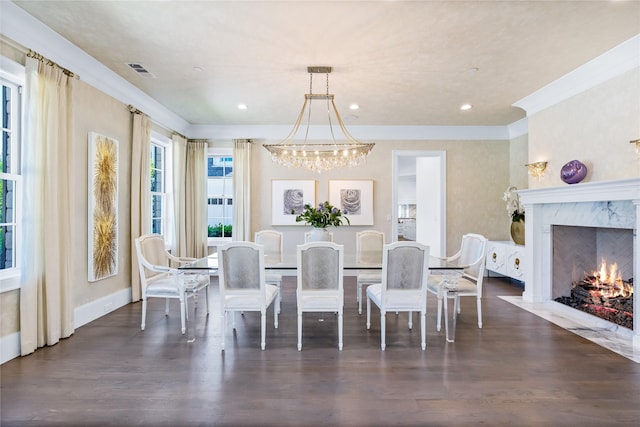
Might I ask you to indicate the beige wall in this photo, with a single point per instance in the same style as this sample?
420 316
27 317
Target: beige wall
594 127
517 160
100 113
9 313
477 175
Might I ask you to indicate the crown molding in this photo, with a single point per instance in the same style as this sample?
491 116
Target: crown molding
519 128
619 60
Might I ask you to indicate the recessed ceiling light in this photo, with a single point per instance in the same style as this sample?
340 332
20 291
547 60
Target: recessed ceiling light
354 106
465 107
242 106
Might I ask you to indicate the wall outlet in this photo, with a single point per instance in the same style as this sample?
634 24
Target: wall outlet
108 307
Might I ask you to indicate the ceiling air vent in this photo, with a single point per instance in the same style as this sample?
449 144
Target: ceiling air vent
138 68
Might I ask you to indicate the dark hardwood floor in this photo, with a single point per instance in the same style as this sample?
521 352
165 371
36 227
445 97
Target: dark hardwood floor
518 370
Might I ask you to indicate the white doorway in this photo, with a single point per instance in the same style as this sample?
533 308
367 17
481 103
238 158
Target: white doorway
419 198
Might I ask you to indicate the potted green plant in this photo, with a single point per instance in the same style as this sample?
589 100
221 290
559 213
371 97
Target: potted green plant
320 218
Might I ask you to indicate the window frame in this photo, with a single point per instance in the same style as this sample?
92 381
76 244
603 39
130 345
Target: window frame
167 216
12 74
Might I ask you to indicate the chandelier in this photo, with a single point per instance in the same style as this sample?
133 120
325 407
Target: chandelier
294 151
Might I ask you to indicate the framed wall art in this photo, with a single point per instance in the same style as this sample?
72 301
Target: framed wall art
103 207
290 195
354 199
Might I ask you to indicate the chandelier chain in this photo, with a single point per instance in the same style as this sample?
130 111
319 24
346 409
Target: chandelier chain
327 85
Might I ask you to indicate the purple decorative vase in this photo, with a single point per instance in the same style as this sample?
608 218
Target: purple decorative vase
573 172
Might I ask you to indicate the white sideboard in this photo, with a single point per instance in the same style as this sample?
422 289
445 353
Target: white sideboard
506 258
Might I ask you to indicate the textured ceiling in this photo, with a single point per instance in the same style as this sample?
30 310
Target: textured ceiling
403 62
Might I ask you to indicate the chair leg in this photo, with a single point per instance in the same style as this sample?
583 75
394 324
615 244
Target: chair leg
263 329
223 327
439 318
423 340
182 314
410 315
275 315
206 295
458 303
299 330
144 313
359 296
446 314
166 306
368 313
383 324
479 303
340 330
279 300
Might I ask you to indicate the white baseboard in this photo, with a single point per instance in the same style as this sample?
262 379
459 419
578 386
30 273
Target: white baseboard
9 347
98 308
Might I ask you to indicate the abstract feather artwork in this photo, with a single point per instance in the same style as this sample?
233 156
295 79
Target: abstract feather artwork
103 207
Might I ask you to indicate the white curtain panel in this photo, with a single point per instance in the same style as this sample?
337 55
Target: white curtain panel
140 191
179 240
196 200
46 294
241 189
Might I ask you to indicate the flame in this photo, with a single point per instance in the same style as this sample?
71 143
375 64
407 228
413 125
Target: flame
608 282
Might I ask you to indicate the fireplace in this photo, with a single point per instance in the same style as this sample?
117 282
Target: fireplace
582 215
592 268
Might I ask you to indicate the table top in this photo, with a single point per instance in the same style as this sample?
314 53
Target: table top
290 263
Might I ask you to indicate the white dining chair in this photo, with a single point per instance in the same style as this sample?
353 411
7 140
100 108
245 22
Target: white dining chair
241 278
472 255
320 282
405 271
159 279
272 242
369 244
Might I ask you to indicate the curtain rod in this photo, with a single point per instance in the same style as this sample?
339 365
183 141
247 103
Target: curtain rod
35 55
134 110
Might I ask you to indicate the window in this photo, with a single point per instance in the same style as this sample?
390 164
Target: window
160 184
10 179
220 195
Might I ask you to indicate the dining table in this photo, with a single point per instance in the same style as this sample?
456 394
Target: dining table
449 271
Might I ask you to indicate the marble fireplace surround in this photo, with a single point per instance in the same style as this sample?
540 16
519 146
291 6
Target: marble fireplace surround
614 204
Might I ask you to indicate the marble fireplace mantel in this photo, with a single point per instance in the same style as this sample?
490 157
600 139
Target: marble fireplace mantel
594 204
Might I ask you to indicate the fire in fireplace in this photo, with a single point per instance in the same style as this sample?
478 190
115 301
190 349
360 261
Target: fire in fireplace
605 294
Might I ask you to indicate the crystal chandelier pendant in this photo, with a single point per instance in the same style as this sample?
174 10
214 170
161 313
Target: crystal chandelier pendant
319 156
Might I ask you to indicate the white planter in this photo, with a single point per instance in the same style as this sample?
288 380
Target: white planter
319 235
